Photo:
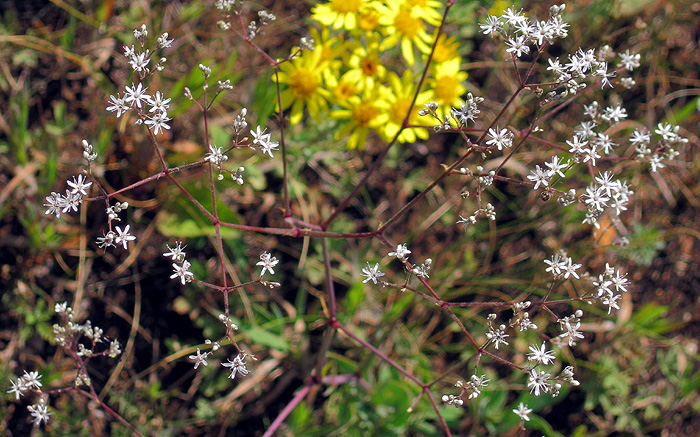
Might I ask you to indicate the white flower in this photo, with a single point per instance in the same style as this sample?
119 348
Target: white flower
182 272
135 95
18 388
158 122
371 273
571 269
555 167
158 103
538 176
611 301
571 332
619 281
640 137
176 253
467 111
629 61
497 335
538 382
522 411
39 412
501 139
518 46
541 355
238 366
615 114
422 270
140 61
31 379
200 358
106 240
493 25
401 252
61 308
215 155
268 147
118 105
514 17
267 262
262 139
79 185
53 204
123 237
164 42
606 143
595 198
69 201
606 182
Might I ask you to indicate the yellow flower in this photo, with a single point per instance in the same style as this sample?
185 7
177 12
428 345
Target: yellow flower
399 98
362 114
368 19
445 49
343 89
332 49
302 76
339 13
446 85
404 25
365 66
428 10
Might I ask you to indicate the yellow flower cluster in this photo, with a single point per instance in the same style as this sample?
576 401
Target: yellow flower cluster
363 71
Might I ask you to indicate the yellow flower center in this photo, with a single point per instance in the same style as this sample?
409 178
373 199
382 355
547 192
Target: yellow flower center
369 66
344 90
407 24
399 109
446 89
345 6
303 83
364 113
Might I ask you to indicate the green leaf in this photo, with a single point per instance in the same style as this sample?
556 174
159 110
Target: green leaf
259 335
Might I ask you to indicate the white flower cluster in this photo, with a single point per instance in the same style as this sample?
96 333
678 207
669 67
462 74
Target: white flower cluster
665 148
561 265
112 238
135 96
31 381
489 211
57 203
238 366
472 388
262 140
540 381
608 285
496 335
68 333
519 29
181 266
570 326
521 318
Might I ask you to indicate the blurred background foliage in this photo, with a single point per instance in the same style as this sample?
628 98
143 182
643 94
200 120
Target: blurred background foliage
60 60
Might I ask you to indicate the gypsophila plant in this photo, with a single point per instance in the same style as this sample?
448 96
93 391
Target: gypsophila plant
385 73
82 342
